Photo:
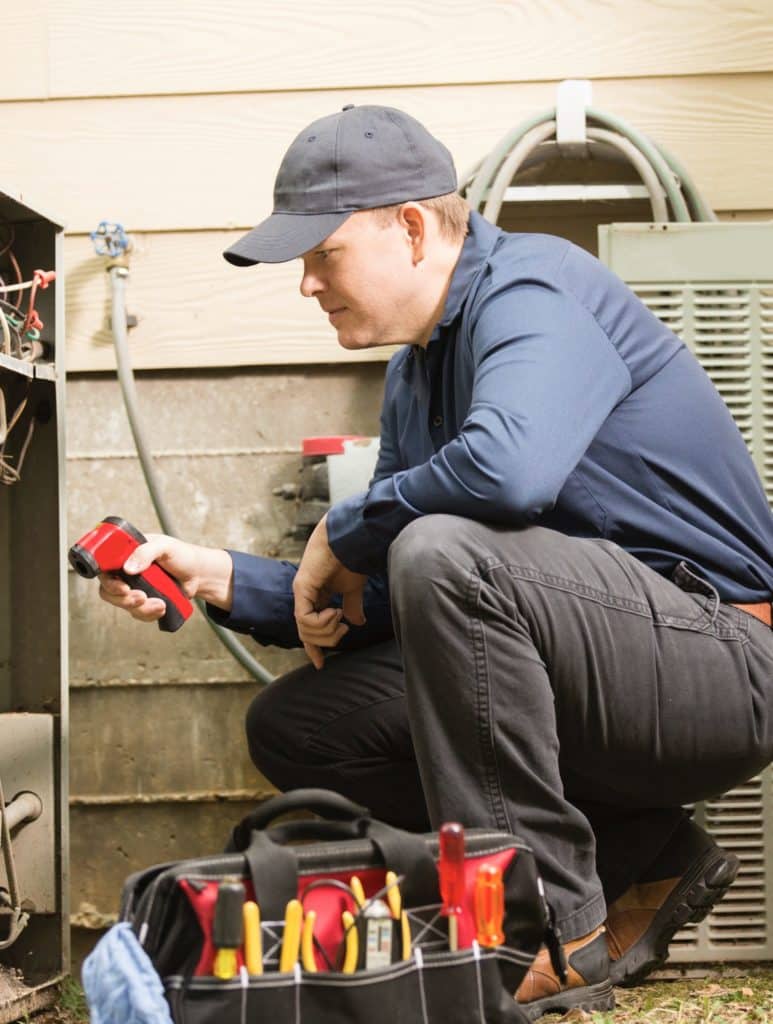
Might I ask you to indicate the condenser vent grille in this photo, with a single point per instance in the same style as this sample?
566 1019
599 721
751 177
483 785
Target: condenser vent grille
666 303
766 345
736 822
712 285
721 340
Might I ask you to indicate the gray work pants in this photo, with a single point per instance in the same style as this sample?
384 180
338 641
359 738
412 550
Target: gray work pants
550 686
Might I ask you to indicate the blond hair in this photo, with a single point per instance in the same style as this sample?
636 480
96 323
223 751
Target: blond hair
452 212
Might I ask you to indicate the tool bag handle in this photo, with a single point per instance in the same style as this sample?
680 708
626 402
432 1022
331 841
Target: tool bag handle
322 831
324 802
273 867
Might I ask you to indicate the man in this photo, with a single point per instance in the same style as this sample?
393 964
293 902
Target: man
578 552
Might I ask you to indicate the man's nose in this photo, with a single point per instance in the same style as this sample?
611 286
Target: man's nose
310 284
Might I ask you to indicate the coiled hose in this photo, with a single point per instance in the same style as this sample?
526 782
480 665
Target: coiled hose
659 171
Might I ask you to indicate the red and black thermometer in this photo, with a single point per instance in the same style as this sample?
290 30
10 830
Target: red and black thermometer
106 548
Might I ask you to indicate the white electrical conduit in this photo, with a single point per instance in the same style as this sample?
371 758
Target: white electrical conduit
24 807
118 277
16 287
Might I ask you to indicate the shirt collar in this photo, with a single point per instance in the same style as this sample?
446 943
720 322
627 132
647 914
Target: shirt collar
478 244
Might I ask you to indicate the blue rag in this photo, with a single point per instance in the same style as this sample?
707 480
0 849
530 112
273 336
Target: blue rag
121 983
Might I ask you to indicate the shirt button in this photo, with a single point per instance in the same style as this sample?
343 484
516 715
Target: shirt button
437 421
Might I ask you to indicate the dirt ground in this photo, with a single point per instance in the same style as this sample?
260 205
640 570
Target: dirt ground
728 995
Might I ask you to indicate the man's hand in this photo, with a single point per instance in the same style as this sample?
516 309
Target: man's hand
201 572
319 576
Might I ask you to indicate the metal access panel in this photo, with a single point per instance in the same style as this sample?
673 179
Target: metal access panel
27 744
712 284
33 624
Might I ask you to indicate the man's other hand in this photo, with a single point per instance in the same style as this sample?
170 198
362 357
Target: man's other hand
319 576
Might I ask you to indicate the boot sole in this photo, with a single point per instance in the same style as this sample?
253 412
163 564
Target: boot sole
592 998
693 897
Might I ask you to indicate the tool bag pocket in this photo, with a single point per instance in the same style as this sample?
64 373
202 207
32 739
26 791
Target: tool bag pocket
171 909
434 988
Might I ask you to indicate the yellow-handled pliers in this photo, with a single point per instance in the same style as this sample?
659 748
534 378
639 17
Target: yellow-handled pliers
395 901
351 951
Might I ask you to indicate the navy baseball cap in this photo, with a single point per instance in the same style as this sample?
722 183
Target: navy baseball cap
357 159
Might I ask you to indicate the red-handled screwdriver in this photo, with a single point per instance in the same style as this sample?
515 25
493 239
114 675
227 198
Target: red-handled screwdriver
489 905
451 871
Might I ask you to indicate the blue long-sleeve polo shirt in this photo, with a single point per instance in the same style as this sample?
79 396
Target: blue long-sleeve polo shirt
548 394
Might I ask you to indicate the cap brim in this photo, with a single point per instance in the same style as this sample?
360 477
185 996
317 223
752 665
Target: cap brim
282 237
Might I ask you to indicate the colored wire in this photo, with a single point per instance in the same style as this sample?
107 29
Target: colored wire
12 474
15 265
10 308
31 306
22 286
6 332
14 317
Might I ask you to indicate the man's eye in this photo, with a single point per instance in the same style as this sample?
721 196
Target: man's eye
324 253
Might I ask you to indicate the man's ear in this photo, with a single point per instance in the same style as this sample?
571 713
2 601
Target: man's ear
412 218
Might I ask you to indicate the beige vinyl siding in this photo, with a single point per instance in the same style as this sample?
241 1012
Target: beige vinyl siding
172 118
95 48
24 50
168 163
194 309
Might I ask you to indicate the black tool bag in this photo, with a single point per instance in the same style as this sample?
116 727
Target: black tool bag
170 907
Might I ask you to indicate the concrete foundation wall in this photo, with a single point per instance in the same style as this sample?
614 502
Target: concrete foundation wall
159 767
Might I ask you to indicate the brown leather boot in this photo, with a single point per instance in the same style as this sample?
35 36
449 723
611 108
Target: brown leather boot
587 983
642 922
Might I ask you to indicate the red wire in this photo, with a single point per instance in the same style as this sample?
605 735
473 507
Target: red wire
31 307
15 265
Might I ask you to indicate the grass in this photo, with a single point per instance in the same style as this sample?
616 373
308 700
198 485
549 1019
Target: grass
722 998
70 1008
72 1002
727 996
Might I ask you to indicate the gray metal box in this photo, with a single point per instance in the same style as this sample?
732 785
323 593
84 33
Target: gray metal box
33 624
712 284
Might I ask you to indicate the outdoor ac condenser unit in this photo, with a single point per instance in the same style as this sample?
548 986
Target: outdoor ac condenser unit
712 284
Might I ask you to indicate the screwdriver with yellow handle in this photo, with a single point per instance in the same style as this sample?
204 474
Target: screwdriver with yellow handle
291 938
227 930
253 940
